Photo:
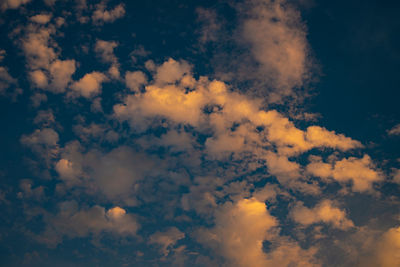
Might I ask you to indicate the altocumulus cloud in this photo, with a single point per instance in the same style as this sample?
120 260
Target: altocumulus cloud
173 158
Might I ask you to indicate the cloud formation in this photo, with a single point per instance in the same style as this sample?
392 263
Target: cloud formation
176 163
325 211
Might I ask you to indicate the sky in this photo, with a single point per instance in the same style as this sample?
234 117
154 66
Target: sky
199 133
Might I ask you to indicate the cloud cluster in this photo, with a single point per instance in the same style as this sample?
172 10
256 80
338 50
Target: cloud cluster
72 222
46 70
101 15
188 167
238 235
325 212
12 4
359 171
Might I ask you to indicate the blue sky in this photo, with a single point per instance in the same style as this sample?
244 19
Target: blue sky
199 133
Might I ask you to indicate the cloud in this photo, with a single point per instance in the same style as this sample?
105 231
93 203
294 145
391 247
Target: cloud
3 53
268 49
46 70
105 50
60 74
89 85
325 212
45 136
359 171
44 118
37 46
171 71
134 80
12 4
101 15
396 176
93 171
6 80
73 222
278 43
41 18
44 142
210 25
238 235
166 239
395 130
27 190
387 250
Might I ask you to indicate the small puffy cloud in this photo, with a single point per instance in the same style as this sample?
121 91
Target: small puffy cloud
44 118
6 80
105 50
116 213
38 78
171 71
395 130
324 212
60 74
37 99
166 239
67 171
360 171
41 18
101 15
89 85
134 80
12 4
